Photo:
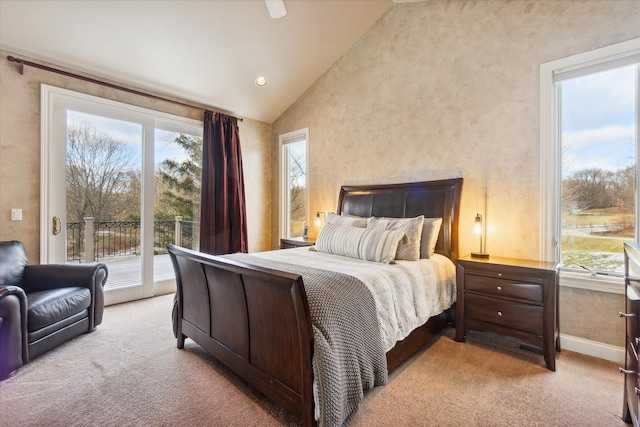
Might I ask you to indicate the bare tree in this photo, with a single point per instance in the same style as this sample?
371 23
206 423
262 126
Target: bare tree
298 189
624 187
99 169
594 188
127 205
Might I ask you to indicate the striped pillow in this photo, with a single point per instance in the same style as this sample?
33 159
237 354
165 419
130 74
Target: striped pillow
357 242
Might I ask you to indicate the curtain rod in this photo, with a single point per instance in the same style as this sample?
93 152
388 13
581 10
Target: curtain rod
22 63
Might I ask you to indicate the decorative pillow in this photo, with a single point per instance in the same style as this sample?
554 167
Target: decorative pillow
430 233
352 220
357 242
409 248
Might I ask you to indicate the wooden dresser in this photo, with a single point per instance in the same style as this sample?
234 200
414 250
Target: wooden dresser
512 297
632 310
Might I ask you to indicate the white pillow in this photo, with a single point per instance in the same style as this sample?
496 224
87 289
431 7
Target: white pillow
357 242
409 248
430 233
352 220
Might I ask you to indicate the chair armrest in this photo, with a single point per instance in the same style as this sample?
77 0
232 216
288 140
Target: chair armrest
44 277
14 347
14 290
52 276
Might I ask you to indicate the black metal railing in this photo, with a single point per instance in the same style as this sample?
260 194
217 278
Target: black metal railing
163 234
75 241
117 238
189 235
123 238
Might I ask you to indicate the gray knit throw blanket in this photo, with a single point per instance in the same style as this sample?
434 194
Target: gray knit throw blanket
348 353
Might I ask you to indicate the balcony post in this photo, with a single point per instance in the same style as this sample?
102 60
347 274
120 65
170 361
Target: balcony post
89 251
177 238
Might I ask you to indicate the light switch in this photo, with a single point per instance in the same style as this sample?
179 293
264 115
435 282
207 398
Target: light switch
16 214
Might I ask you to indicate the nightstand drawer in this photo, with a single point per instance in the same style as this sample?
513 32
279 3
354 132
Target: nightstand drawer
524 317
504 287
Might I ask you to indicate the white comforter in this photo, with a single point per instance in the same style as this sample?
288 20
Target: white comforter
407 293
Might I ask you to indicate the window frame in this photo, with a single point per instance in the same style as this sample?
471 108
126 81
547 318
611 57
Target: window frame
283 176
551 167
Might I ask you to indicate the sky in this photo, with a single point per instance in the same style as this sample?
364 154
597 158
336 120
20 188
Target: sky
598 120
131 135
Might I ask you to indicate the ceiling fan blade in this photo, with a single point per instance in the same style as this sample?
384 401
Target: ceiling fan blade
276 8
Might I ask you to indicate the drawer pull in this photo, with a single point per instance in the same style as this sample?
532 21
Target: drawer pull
627 314
499 313
499 274
637 341
499 288
626 371
637 390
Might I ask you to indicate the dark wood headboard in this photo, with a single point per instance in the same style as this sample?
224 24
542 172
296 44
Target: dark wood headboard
433 199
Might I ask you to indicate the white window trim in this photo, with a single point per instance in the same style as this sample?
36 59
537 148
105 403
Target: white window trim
284 204
550 163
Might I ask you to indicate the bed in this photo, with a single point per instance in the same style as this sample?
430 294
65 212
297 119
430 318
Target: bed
253 313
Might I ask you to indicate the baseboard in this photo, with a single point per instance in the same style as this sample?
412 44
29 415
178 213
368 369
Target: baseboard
163 287
592 348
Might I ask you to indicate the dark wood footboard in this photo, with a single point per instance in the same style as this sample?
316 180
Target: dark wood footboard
254 320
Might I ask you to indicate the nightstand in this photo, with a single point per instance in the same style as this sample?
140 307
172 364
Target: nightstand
510 296
296 242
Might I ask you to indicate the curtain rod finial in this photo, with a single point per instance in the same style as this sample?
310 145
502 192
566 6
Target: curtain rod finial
18 61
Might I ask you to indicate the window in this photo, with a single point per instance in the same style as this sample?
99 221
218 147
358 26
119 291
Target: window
293 183
589 162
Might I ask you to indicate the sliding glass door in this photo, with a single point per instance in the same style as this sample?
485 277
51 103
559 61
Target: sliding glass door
119 183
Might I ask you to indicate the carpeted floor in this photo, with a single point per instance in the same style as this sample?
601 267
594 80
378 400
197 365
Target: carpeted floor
130 373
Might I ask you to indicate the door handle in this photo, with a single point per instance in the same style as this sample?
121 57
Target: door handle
57 225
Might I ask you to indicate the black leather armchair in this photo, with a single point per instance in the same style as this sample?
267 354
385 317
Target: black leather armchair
42 306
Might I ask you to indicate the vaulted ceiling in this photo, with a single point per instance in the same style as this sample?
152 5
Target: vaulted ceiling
206 52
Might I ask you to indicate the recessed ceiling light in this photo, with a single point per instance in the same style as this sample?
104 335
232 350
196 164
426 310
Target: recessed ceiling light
261 81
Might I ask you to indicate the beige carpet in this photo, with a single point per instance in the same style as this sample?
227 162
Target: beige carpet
130 373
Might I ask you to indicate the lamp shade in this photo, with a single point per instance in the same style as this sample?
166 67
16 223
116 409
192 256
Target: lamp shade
478 230
477 225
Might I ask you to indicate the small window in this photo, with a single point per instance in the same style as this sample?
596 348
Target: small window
293 183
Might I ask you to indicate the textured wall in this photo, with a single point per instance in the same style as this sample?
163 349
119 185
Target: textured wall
592 315
437 87
20 153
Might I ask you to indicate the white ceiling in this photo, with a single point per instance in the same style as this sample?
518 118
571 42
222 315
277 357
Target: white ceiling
207 51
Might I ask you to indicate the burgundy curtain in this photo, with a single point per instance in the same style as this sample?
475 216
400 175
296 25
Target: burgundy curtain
223 217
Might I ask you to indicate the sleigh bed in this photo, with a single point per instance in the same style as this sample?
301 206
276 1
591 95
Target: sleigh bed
256 315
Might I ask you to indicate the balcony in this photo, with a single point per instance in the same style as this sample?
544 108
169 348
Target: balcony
118 244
